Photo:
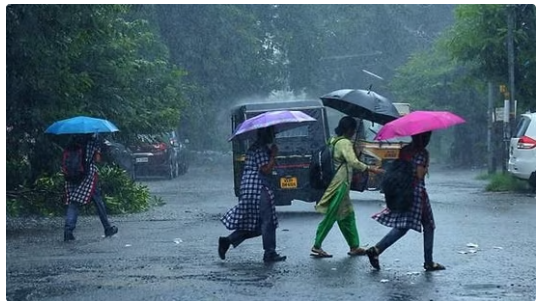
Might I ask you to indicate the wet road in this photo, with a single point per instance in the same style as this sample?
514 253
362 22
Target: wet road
170 252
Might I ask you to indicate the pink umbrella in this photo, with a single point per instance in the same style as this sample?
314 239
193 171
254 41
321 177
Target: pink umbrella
418 122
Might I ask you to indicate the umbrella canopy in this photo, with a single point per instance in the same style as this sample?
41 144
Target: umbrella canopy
363 104
81 125
280 120
418 122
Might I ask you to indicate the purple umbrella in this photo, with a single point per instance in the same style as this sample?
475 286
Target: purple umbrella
280 120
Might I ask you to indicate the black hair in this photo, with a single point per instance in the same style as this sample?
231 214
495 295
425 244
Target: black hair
421 140
80 138
266 134
345 124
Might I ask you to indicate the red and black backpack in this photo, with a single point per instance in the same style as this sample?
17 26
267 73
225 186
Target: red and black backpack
74 165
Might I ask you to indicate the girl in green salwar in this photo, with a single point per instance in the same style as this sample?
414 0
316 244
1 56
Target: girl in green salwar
336 203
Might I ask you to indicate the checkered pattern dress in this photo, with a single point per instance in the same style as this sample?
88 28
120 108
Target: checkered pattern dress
246 214
82 192
411 219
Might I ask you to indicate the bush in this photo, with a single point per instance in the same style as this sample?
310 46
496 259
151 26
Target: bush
17 171
45 196
506 182
484 176
122 194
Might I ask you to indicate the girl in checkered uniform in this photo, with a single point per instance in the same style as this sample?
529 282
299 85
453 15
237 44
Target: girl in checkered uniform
420 213
78 194
255 215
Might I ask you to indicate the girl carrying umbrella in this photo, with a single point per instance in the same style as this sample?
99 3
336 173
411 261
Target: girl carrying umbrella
419 125
336 203
420 213
255 215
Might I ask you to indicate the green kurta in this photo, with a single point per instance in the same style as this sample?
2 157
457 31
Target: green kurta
343 152
336 203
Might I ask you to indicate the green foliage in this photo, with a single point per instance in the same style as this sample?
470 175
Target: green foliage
431 80
46 196
43 198
479 37
252 50
423 80
506 182
483 176
95 60
17 172
227 53
377 38
453 74
122 195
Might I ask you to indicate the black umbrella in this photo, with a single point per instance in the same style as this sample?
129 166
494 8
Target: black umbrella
363 104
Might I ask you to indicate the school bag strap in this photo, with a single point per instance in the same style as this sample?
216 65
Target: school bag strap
333 149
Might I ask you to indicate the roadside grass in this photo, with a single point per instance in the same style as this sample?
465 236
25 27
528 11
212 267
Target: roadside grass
504 182
483 176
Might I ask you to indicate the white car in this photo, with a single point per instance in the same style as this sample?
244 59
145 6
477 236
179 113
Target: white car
522 153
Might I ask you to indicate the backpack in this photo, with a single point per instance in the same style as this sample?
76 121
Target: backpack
321 167
74 165
397 185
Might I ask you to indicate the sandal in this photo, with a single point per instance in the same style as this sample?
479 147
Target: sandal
373 256
433 266
320 253
357 252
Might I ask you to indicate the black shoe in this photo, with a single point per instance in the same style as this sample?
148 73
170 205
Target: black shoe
274 258
433 266
224 245
373 256
68 236
111 231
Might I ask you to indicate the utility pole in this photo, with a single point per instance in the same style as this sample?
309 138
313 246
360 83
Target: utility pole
511 99
511 53
490 129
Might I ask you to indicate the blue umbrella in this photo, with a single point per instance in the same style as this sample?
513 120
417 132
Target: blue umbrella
81 125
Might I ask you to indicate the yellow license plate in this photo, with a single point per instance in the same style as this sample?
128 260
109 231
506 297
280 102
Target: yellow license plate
289 183
391 154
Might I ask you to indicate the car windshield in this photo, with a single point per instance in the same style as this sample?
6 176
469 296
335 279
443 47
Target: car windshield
149 138
302 131
371 129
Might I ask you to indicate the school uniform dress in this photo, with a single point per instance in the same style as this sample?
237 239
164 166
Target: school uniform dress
413 218
82 193
255 213
419 217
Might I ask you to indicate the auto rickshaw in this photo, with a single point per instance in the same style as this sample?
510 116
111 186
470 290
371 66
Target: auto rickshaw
291 174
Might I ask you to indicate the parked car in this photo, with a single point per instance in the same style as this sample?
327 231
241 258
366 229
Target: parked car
118 154
522 150
156 155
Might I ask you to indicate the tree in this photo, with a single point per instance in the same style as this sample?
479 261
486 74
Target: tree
453 75
432 80
377 38
479 37
225 50
66 60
